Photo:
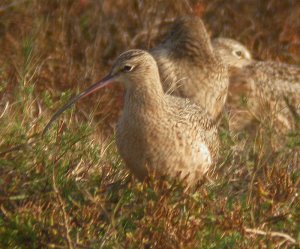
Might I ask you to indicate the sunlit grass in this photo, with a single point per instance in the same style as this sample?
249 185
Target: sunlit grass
70 188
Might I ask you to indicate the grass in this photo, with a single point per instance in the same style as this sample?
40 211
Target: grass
70 189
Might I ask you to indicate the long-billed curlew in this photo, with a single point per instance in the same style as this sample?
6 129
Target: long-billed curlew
157 133
189 67
235 55
272 89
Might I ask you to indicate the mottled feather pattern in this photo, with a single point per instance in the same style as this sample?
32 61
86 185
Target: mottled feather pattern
189 67
164 134
270 84
278 78
265 85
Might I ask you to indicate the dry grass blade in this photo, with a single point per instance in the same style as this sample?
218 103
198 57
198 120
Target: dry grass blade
286 237
14 3
62 205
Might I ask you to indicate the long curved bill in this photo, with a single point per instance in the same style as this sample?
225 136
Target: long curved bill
104 82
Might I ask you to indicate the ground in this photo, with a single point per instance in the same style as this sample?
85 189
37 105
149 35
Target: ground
70 189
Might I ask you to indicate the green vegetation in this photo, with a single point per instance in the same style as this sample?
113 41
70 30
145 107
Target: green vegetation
70 189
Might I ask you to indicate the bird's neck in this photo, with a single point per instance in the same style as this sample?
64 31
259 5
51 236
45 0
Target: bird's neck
145 98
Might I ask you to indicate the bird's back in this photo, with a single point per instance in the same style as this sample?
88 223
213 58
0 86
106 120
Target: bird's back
275 78
190 68
274 90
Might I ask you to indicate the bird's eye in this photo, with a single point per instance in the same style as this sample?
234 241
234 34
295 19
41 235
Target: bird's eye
238 53
127 68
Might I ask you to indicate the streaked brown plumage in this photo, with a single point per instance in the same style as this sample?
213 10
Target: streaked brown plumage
235 55
272 90
157 133
275 92
189 67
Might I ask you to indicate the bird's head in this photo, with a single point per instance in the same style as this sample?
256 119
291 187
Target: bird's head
130 69
133 68
233 53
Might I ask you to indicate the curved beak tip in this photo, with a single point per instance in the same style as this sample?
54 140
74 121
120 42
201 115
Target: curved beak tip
100 84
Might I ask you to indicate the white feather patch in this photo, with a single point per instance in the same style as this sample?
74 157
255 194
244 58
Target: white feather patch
204 153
